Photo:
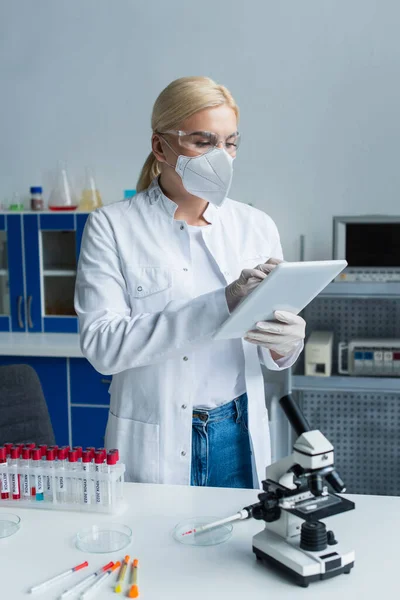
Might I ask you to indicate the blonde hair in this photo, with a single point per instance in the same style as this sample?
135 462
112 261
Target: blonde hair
179 100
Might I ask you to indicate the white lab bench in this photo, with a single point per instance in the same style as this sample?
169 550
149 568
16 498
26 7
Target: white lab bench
44 546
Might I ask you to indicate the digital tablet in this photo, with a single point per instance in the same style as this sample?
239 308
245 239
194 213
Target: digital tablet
290 286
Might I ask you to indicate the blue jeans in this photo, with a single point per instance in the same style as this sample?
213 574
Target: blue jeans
221 454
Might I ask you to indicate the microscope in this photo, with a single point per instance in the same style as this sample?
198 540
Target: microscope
295 497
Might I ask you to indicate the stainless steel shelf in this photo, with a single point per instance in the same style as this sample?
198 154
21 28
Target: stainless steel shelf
339 289
383 385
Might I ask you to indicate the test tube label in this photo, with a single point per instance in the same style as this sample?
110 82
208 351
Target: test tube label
5 486
25 485
39 484
86 495
61 483
14 484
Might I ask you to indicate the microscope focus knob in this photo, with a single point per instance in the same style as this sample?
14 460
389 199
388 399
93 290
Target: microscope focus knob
331 538
313 536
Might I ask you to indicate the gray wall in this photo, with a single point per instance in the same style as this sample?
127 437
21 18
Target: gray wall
318 83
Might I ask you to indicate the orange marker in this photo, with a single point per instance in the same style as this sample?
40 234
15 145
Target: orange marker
134 591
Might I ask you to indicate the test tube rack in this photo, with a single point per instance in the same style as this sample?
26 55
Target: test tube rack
62 489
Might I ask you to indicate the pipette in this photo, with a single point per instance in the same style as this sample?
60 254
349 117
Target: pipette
121 575
134 589
99 581
84 582
245 513
41 586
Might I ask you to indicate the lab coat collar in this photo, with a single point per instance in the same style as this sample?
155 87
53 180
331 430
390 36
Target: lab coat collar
156 197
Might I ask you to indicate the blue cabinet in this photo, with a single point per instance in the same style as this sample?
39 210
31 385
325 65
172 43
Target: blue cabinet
89 403
87 385
38 261
88 425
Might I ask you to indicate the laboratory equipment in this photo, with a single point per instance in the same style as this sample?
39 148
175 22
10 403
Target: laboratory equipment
109 537
370 357
371 246
121 575
134 589
9 524
295 497
57 483
318 354
90 197
62 196
289 287
84 582
90 590
37 202
188 531
49 582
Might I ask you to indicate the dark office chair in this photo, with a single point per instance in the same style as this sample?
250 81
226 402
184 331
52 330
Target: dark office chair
24 416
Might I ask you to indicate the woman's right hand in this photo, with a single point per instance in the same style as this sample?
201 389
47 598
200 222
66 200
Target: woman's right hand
248 281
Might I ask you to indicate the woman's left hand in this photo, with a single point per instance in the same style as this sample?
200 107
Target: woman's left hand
282 337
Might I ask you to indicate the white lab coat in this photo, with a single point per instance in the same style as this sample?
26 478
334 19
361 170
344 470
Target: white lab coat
140 323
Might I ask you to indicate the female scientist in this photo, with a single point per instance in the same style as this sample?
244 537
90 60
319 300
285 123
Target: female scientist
158 274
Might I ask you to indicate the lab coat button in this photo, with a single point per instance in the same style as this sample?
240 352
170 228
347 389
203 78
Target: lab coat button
185 269
140 289
185 358
184 406
183 453
182 227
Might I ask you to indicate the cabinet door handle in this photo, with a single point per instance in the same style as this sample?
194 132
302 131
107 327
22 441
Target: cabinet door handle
28 308
19 312
106 381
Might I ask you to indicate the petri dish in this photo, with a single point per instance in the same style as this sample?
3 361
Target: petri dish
215 536
104 538
9 524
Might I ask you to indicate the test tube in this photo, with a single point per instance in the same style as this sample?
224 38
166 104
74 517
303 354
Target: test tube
15 480
49 491
8 446
24 462
98 467
37 473
86 482
60 476
72 481
111 484
5 481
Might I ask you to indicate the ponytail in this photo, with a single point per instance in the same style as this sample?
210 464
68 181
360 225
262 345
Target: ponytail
149 171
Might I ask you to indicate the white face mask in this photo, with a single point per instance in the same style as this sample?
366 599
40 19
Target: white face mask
208 176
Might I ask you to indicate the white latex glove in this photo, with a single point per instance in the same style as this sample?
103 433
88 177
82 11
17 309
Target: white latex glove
282 336
248 280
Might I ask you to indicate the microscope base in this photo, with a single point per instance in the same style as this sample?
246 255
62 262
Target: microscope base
303 567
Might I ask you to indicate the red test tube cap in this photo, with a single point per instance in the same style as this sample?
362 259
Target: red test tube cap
98 458
86 456
115 451
15 452
50 454
72 456
26 452
3 454
78 450
36 454
111 458
62 453
30 445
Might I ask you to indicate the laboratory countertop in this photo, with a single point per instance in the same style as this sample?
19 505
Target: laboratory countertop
40 344
44 546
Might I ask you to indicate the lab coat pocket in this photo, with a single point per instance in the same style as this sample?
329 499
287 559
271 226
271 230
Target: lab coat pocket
149 288
139 447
